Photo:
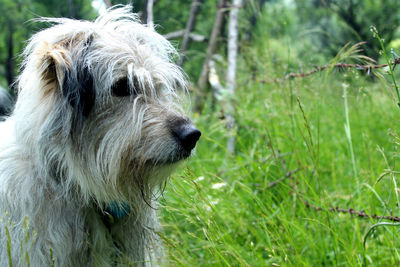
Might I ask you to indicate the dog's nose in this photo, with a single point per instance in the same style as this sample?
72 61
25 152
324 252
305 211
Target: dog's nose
187 136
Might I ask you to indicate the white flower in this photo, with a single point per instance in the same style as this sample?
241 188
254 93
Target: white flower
214 202
218 185
201 178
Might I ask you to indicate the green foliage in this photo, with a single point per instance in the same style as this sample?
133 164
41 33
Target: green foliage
29 237
78 9
220 210
342 21
204 23
15 23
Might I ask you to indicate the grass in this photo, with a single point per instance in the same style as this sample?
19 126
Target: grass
219 210
330 140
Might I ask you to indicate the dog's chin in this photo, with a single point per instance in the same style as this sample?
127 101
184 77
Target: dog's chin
174 158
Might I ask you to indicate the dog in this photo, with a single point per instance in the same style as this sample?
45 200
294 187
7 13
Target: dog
97 128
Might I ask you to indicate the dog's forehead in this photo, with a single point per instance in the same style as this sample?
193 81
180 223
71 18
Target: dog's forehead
114 47
123 50
119 30
133 38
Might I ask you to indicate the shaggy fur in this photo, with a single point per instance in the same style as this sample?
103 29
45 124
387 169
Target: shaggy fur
97 123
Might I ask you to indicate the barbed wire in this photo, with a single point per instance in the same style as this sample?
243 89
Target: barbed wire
367 68
351 211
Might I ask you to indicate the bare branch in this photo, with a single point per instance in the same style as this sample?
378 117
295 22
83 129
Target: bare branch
174 35
219 18
194 10
178 34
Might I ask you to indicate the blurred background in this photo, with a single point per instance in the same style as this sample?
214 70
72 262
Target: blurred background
316 28
297 101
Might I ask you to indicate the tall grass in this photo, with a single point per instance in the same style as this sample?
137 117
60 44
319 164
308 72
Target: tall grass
219 210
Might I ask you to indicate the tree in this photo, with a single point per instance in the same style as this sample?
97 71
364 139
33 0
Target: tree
15 25
233 35
342 21
194 10
212 46
14 15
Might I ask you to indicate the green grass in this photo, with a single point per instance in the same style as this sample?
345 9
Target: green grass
219 209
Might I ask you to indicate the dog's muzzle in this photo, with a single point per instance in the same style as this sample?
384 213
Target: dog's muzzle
186 135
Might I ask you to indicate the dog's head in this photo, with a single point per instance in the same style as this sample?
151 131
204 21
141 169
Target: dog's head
102 105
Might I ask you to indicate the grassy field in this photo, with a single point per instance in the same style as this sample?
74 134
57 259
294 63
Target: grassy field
329 140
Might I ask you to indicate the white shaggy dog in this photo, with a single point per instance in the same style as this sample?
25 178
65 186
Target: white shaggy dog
95 132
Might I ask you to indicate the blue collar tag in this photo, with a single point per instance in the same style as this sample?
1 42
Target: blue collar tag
118 209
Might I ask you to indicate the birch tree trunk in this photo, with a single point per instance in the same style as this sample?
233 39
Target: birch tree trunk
108 3
71 12
212 44
150 21
194 10
231 71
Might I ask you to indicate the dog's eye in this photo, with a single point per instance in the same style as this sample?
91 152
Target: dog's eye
121 88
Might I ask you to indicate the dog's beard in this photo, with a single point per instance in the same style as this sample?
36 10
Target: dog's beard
140 183
174 157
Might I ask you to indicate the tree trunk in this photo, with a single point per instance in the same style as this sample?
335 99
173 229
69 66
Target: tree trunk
194 10
108 3
231 71
212 44
10 61
213 79
149 9
71 9
143 15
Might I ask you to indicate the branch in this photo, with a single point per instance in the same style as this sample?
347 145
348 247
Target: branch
351 211
194 10
219 21
178 34
366 68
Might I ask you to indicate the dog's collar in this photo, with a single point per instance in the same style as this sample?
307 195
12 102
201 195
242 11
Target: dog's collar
117 210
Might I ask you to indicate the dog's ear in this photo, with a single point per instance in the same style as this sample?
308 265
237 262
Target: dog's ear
54 60
78 89
71 75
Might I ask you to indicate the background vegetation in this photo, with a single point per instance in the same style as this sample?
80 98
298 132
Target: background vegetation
304 146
